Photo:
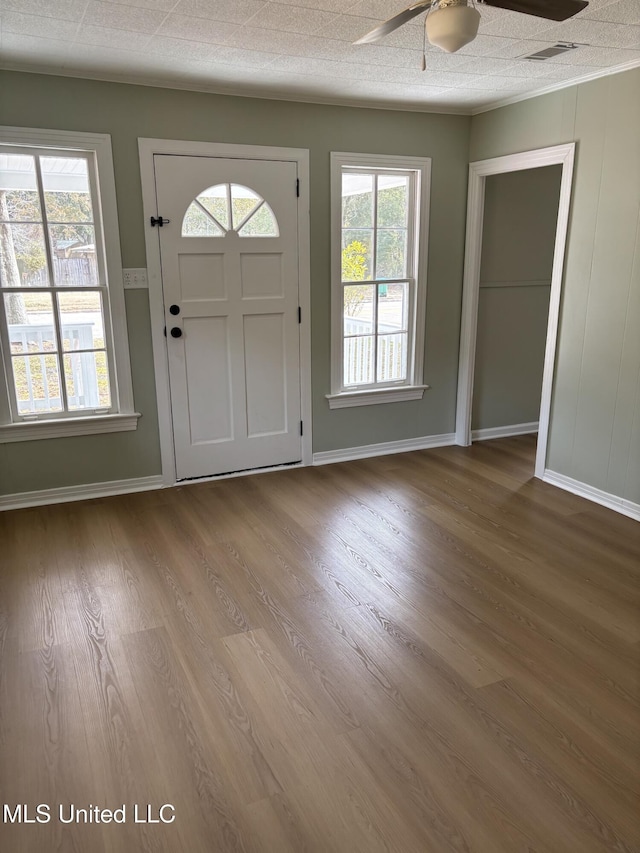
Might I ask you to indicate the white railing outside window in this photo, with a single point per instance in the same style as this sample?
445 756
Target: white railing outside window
358 352
83 375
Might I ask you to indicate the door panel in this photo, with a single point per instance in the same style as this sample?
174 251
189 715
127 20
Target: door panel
265 370
261 276
234 363
206 343
202 277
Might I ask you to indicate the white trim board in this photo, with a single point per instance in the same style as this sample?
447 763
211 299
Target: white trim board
309 98
297 97
504 431
386 448
478 173
556 87
84 492
147 149
38 430
583 490
346 400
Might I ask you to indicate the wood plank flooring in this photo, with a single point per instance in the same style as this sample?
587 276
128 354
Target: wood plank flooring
423 653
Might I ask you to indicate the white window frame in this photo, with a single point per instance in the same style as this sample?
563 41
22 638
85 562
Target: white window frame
121 416
412 388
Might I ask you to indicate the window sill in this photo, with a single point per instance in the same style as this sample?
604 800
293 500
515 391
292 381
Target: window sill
379 395
38 430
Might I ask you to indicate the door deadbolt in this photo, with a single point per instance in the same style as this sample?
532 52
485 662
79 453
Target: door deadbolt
174 309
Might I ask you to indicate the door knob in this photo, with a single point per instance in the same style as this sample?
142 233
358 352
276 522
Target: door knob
176 332
174 309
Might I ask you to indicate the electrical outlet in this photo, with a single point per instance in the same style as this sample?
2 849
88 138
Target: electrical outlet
134 278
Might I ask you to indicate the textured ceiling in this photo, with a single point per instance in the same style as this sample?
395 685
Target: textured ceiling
302 49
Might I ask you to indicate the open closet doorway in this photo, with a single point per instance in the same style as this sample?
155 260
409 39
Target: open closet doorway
516 232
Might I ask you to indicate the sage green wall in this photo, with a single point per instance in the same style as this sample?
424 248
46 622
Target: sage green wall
518 238
595 420
128 112
595 417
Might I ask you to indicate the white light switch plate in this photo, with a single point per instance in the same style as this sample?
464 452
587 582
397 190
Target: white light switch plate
134 278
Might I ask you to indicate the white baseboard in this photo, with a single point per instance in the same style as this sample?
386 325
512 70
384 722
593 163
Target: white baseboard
592 494
83 492
386 448
504 431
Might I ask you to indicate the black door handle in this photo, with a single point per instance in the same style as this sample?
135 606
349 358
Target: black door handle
174 309
176 332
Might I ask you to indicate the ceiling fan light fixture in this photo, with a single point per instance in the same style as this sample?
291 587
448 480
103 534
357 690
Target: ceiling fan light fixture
451 26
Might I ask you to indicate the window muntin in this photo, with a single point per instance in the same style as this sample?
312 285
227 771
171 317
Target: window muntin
229 208
378 246
55 311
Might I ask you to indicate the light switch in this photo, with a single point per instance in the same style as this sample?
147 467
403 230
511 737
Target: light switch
135 278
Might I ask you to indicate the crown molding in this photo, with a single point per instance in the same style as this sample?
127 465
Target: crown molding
266 95
565 84
302 98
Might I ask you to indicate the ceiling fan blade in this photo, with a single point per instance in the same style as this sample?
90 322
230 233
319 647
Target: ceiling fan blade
553 10
395 22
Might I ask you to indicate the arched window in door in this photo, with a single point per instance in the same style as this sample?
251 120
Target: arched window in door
229 209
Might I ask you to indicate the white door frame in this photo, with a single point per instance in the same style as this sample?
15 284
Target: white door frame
478 173
147 149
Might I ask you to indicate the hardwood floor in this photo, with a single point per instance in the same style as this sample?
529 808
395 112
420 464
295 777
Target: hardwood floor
422 653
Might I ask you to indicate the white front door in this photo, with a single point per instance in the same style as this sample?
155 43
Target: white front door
229 256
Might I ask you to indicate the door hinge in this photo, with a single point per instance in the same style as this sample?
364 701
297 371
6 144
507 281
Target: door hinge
301 429
298 187
159 221
299 314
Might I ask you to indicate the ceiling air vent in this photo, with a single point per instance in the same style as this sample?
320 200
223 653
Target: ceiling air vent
554 50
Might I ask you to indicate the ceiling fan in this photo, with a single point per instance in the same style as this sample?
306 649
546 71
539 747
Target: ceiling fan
450 24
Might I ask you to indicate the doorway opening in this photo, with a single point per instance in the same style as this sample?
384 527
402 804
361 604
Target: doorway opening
516 233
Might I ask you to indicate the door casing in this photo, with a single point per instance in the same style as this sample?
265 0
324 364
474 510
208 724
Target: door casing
478 173
147 149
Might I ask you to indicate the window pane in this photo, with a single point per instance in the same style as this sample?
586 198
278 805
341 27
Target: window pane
81 320
392 357
87 379
358 309
19 201
357 247
37 383
196 223
243 201
261 224
73 249
30 321
215 201
393 194
23 259
67 196
391 259
357 201
358 360
392 308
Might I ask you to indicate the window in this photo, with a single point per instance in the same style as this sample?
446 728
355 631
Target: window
229 208
379 221
62 323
